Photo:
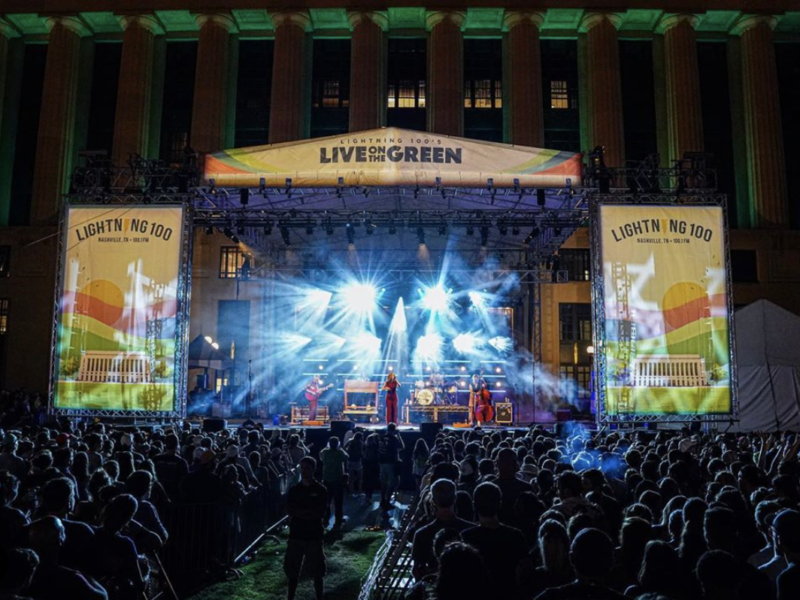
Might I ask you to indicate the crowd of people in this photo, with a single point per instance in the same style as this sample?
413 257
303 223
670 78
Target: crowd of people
607 515
82 501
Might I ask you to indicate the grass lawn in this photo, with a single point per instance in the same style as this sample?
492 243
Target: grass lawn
349 558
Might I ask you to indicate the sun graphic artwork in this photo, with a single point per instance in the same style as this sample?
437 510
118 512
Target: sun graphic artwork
684 303
105 301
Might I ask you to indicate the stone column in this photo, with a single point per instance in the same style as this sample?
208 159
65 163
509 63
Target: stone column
604 89
766 165
367 70
10 76
684 110
524 84
55 145
289 103
445 93
211 90
134 97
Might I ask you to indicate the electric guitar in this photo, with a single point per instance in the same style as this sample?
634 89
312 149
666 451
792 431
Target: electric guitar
311 396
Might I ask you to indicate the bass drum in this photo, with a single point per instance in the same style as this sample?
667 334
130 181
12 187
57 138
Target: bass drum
424 397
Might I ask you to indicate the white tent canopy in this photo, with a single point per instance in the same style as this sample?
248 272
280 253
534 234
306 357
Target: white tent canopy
768 361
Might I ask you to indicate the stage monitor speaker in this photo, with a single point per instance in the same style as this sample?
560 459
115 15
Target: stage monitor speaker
339 428
504 413
214 424
429 430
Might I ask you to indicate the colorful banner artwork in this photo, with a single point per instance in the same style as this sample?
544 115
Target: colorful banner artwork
666 338
118 314
392 156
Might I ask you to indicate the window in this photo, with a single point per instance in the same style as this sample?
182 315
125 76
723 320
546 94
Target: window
744 266
576 322
576 384
329 95
483 93
577 263
5 261
406 93
559 95
231 259
3 316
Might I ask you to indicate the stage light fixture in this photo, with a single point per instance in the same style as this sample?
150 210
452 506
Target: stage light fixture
321 368
309 230
436 299
484 236
391 368
392 228
497 384
515 230
209 229
503 228
532 235
359 297
240 229
209 339
268 229
470 230
262 186
370 228
557 230
215 345
540 197
421 236
285 235
498 370
429 347
476 299
442 229
244 196
228 232
500 343
464 343
351 234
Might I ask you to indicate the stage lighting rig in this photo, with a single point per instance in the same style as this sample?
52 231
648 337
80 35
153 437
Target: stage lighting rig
442 229
268 229
515 230
285 235
532 235
503 228
309 230
470 230
328 226
540 197
244 196
351 234
484 235
209 229
421 236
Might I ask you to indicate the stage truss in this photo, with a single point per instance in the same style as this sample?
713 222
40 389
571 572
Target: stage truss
261 216
700 197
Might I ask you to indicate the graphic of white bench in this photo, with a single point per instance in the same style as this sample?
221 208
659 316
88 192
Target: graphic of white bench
114 367
663 370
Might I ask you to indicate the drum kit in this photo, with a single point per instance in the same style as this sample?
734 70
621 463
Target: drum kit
433 393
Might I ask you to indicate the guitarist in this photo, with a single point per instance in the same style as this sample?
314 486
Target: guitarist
313 392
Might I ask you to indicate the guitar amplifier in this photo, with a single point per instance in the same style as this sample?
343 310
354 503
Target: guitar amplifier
504 413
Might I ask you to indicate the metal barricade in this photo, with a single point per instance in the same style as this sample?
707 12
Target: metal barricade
211 537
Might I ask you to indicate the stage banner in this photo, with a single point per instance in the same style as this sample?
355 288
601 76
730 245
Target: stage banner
117 330
665 339
391 156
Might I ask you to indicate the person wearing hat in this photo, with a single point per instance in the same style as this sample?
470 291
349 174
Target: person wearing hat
9 461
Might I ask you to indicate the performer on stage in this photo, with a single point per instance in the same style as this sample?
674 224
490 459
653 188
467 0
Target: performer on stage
390 387
313 392
475 387
484 411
